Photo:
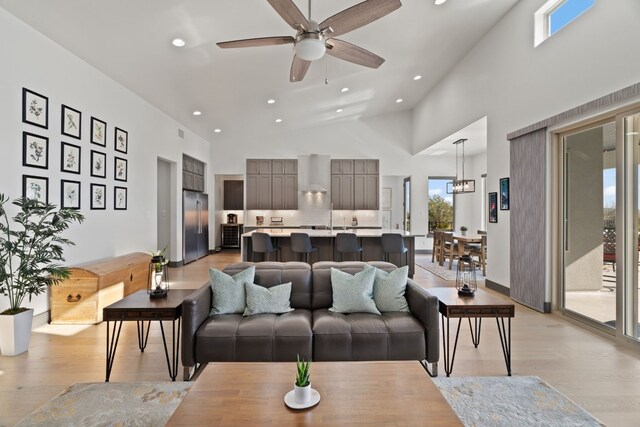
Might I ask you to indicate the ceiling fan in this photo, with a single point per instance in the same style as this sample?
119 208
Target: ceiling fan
312 40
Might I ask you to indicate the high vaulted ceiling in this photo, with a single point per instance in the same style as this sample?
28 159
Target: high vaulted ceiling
130 41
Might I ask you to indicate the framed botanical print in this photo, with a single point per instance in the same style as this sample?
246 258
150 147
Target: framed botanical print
35 108
35 150
98 132
98 196
71 122
35 187
493 207
70 194
120 198
504 194
70 158
120 169
121 140
98 164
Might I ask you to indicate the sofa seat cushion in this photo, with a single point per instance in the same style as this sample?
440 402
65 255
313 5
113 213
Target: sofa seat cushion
365 336
257 338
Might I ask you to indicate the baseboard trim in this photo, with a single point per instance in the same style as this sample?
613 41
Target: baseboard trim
547 307
423 251
174 264
497 287
41 319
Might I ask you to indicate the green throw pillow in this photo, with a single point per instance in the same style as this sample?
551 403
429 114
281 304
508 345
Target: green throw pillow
353 294
275 300
228 294
389 288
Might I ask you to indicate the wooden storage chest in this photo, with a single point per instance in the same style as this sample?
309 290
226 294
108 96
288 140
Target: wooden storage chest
94 285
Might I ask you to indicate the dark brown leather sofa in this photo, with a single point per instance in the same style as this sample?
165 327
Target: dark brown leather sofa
311 330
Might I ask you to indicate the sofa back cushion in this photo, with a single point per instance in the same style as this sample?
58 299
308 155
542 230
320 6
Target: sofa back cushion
322 291
270 274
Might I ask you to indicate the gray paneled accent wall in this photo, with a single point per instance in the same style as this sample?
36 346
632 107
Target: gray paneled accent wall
528 177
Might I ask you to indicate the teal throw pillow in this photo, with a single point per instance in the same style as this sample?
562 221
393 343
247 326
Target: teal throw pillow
389 288
353 294
228 293
275 300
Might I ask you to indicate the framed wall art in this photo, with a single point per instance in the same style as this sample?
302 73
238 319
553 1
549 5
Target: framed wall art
493 207
70 194
71 123
70 158
504 194
120 169
120 198
98 164
35 108
35 150
98 132
98 196
121 140
35 187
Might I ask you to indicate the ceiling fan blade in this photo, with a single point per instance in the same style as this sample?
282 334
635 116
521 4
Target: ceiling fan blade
261 41
290 13
352 53
357 16
299 69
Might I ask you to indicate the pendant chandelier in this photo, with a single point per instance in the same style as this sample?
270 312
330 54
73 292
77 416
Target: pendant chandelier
461 186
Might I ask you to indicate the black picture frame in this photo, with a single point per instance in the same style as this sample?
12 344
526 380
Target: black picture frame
98 195
70 194
493 207
70 158
120 198
71 122
35 150
35 187
98 164
504 194
35 108
121 140
120 167
98 132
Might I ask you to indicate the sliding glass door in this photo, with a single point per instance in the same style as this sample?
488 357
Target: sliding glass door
629 295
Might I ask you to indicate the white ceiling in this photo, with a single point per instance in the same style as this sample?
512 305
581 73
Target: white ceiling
130 41
476 141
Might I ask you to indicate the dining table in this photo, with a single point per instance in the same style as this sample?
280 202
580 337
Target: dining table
466 239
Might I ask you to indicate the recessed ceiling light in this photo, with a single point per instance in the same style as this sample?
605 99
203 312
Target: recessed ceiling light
178 42
399 100
278 120
418 77
339 110
439 2
197 113
271 101
217 130
344 89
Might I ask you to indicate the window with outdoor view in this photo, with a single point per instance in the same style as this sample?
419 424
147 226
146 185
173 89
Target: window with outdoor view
441 209
557 14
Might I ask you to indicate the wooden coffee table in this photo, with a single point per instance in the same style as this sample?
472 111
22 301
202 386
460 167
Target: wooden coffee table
363 393
482 304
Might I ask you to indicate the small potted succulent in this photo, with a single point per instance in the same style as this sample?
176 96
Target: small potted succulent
463 230
302 386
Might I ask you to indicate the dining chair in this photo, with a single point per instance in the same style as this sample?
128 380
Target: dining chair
449 249
481 253
393 243
347 243
301 243
261 242
436 252
481 232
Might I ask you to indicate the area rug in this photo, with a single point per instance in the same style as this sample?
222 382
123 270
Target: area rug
511 401
146 404
443 270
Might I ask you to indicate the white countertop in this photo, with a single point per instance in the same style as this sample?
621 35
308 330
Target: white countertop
326 233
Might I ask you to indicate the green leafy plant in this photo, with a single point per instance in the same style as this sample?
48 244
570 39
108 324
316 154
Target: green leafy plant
28 256
158 259
463 228
303 377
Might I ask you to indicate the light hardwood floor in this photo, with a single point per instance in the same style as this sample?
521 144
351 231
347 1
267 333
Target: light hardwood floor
598 374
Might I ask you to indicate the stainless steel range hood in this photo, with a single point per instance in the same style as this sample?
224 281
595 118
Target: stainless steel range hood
314 173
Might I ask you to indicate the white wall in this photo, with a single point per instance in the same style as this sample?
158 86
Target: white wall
31 60
514 84
468 206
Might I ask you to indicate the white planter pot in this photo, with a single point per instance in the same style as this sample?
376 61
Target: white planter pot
15 332
302 394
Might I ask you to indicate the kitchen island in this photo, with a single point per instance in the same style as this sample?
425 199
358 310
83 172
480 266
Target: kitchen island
324 240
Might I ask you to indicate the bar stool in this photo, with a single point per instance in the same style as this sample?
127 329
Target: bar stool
393 243
261 242
301 243
348 243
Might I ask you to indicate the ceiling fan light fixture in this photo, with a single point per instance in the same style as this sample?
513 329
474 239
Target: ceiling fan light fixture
310 46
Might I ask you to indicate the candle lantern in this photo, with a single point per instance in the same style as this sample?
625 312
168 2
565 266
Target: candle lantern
466 283
158 284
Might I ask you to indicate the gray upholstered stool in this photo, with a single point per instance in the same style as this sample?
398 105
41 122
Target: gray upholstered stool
348 243
261 242
301 243
393 243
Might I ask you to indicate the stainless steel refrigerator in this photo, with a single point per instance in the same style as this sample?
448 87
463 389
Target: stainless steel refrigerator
195 225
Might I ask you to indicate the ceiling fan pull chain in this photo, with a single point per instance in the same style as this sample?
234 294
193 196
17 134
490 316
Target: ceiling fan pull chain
326 71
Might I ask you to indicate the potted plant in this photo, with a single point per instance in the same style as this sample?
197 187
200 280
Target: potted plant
463 230
28 257
302 386
158 287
